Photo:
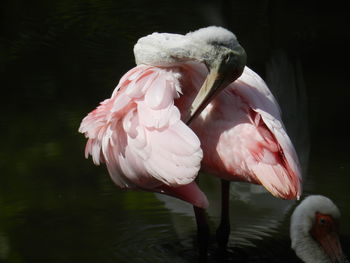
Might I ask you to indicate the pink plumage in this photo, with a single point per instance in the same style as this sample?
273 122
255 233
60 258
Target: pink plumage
141 136
138 133
243 138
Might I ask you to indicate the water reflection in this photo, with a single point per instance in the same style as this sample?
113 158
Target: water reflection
254 213
59 59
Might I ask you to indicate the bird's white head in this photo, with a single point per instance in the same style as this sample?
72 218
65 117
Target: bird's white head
203 45
314 230
215 36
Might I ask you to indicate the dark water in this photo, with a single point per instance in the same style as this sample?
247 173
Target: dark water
59 59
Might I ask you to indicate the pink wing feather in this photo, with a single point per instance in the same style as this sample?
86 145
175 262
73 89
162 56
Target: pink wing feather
265 105
138 133
243 138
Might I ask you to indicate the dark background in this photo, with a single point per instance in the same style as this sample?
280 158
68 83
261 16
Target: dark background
58 59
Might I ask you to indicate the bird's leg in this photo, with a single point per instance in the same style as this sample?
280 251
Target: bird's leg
223 231
203 233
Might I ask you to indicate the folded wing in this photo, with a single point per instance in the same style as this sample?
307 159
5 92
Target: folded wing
138 133
243 138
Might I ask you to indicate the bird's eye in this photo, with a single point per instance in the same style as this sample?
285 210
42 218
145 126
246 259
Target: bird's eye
322 221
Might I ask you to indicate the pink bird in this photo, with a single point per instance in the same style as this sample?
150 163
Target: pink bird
190 104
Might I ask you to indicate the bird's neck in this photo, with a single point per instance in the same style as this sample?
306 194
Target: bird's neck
307 248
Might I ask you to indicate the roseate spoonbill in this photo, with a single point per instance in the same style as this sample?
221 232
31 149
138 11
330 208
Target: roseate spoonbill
140 132
314 231
237 132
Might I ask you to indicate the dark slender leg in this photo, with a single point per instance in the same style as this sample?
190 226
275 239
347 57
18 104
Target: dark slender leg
202 233
223 231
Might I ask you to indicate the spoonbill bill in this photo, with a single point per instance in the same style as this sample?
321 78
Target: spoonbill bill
314 231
